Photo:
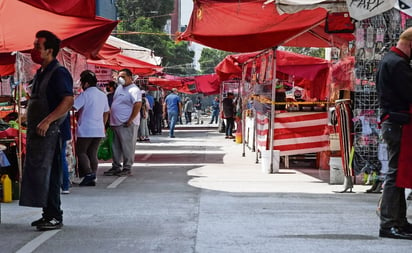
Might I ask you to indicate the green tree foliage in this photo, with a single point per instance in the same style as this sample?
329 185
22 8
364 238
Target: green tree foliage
310 51
210 58
148 18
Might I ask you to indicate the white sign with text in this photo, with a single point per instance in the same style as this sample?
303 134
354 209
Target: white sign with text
363 9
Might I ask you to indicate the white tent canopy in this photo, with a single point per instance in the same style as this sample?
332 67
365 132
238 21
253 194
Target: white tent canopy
134 51
358 9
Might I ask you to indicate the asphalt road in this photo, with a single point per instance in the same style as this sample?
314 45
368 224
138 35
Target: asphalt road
196 193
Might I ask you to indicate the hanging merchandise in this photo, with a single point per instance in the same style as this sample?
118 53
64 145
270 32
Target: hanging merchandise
374 37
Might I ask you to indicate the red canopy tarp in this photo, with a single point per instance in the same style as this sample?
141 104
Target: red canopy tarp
120 61
206 84
309 72
75 8
20 21
251 25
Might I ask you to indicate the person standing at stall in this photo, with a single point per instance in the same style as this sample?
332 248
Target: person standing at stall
215 110
50 101
198 107
124 120
93 109
229 114
394 87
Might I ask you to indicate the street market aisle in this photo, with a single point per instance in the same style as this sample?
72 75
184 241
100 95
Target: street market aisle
196 193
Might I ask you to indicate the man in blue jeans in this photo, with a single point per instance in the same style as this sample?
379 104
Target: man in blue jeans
173 107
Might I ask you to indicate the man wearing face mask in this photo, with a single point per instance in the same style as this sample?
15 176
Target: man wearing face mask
51 99
124 120
394 87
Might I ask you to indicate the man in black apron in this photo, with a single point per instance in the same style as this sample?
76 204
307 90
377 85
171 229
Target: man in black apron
50 100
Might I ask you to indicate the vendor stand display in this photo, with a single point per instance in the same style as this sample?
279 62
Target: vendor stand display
374 37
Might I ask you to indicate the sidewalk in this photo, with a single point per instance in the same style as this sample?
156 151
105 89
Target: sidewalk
196 193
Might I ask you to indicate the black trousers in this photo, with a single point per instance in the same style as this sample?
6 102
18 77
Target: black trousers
393 206
230 124
53 208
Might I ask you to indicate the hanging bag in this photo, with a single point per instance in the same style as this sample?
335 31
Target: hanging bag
104 152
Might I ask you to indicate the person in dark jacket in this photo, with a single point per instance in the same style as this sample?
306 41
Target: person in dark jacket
50 100
394 86
229 114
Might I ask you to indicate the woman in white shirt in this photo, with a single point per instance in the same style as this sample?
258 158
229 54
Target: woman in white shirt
93 111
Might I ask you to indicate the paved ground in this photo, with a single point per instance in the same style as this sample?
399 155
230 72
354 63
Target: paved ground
196 193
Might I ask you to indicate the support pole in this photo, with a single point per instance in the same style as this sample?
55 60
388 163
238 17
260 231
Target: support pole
272 109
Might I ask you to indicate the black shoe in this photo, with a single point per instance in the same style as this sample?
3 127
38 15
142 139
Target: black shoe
111 172
394 233
407 228
88 180
49 225
37 222
124 172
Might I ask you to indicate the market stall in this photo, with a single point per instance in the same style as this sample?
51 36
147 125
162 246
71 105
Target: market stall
257 25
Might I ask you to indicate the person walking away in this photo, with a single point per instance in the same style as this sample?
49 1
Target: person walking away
198 107
93 110
188 109
124 120
229 114
215 111
50 100
173 107
394 87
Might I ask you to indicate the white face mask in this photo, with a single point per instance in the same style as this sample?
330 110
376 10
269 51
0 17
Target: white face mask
121 81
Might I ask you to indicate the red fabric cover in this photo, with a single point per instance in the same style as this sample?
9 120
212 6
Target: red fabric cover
309 72
75 8
208 84
120 61
404 176
339 22
84 35
109 51
251 26
6 70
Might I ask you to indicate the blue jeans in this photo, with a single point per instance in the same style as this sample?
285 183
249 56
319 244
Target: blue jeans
66 175
230 123
172 116
215 115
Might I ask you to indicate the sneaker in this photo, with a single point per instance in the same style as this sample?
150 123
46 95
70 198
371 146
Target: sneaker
37 222
88 180
49 225
124 172
111 172
65 192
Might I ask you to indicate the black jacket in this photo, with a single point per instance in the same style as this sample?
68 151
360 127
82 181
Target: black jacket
394 83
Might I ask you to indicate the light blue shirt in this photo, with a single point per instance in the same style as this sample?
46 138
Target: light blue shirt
172 103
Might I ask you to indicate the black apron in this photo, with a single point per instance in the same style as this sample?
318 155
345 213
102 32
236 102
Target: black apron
40 151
